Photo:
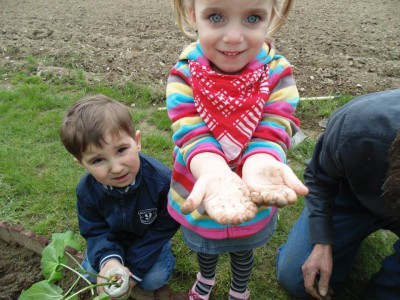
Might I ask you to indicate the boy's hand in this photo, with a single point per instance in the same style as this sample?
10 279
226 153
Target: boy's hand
224 196
271 182
109 265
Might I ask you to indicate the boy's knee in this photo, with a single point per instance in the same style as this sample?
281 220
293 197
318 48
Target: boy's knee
88 268
161 272
152 283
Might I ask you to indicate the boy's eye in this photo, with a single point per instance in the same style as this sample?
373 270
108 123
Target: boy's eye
96 161
252 19
216 18
122 149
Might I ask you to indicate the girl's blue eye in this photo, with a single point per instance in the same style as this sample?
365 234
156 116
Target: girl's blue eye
215 18
253 19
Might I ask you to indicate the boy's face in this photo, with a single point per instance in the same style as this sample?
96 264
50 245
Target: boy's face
117 162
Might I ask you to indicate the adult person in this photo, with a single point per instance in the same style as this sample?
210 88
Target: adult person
354 190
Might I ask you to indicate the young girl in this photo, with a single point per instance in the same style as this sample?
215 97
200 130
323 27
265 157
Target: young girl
231 99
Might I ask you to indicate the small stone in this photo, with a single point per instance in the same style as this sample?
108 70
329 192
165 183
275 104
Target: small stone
4 224
41 239
28 233
323 123
17 228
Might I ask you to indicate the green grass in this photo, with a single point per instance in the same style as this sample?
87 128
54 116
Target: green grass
38 177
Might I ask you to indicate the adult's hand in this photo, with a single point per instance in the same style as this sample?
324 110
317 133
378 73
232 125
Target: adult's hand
319 263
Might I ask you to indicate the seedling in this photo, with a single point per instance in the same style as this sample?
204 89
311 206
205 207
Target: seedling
54 259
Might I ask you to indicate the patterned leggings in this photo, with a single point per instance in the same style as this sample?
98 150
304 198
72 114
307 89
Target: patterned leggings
241 267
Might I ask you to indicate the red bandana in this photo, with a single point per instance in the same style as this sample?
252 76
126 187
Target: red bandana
230 105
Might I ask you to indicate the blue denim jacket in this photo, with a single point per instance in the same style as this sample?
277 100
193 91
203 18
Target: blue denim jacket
131 225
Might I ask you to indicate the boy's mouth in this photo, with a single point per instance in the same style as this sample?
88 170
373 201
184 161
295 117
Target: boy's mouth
121 178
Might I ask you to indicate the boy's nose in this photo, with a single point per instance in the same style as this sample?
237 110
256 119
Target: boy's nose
115 168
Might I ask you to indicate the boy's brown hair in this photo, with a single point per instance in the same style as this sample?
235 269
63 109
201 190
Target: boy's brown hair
90 119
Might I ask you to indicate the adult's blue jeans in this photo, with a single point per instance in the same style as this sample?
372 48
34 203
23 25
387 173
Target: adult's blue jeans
155 278
352 224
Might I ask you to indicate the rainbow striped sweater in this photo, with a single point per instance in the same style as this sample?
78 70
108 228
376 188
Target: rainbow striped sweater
192 136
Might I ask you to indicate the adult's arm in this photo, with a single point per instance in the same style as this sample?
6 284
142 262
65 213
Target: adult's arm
322 176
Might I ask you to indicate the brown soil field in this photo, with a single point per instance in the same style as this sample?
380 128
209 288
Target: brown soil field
336 47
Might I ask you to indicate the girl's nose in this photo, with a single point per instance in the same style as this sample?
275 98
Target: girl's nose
233 35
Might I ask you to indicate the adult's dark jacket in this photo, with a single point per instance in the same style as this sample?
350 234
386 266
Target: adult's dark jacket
351 157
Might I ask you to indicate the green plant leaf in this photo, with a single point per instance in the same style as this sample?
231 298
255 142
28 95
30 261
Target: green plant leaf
42 290
52 256
102 296
68 238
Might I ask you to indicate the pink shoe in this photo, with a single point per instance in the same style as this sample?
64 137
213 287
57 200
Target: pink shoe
242 296
193 295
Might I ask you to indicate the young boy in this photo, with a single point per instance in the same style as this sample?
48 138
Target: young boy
122 201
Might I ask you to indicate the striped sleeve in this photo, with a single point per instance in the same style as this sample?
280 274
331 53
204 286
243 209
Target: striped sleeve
191 135
278 125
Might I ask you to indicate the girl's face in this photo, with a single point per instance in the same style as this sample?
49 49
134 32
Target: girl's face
117 162
231 32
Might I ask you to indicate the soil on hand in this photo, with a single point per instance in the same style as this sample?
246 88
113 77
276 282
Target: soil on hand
336 47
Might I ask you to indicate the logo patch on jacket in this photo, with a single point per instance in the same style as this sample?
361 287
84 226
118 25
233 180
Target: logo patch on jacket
147 216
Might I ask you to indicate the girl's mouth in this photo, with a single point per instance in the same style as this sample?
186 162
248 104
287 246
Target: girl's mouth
231 53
